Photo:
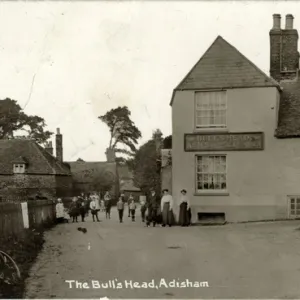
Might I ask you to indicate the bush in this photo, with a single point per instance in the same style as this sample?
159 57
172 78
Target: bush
24 249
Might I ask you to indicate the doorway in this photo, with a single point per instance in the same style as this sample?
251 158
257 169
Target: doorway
294 207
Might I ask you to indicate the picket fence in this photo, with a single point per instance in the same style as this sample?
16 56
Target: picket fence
36 212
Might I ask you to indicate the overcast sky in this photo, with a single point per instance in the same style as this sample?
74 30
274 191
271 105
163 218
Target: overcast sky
70 62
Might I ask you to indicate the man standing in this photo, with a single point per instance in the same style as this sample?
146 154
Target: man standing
153 206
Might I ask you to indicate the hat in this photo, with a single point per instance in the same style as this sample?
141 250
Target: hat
58 200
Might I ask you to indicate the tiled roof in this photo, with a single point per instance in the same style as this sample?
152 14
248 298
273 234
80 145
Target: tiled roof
289 110
223 66
124 172
20 160
126 179
86 172
38 160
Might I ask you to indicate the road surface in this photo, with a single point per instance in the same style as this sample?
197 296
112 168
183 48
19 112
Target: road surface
237 261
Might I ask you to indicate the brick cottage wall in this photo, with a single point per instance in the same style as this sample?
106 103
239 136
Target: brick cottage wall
20 186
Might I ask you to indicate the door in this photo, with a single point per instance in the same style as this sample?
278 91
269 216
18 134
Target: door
294 207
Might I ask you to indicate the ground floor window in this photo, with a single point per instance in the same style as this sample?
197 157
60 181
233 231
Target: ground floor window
211 173
294 206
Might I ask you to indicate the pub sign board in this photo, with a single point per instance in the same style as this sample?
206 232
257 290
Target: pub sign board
239 141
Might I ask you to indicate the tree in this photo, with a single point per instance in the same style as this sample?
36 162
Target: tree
146 164
122 130
15 123
145 173
167 142
102 182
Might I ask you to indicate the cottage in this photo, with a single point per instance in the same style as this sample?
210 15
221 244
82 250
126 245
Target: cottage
89 176
28 170
236 146
127 185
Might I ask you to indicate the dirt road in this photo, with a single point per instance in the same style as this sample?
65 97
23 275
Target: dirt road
237 261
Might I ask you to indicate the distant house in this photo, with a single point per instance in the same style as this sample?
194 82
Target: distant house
28 170
126 182
235 132
94 176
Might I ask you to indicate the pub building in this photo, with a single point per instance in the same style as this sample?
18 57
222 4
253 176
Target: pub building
236 146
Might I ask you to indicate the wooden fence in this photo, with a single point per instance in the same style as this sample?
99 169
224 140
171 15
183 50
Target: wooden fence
11 216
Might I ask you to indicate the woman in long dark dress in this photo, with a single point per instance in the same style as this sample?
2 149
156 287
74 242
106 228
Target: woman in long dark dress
167 209
184 217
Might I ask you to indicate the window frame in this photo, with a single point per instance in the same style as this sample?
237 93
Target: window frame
19 168
219 192
209 127
290 214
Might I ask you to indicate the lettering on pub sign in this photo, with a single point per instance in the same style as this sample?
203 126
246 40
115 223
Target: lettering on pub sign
224 142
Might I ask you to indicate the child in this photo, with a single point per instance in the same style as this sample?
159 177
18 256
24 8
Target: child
82 211
74 209
94 210
102 204
120 206
132 208
130 198
59 211
143 210
107 200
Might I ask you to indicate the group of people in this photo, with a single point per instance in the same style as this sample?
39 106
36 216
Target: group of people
131 207
155 210
80 207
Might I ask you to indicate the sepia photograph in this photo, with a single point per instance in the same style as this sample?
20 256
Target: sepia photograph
149 149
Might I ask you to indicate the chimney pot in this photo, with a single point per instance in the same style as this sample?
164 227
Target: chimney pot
289 21
57 131
276 21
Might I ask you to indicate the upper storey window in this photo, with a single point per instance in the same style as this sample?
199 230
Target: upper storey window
211 109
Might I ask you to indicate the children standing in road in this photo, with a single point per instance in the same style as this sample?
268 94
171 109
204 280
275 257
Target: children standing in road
120 206
82 211
107 200
130 198
143 209
132 208
94 210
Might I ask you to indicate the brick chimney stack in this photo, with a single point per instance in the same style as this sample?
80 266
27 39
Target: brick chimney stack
59 145
49 148
110 155
284 55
